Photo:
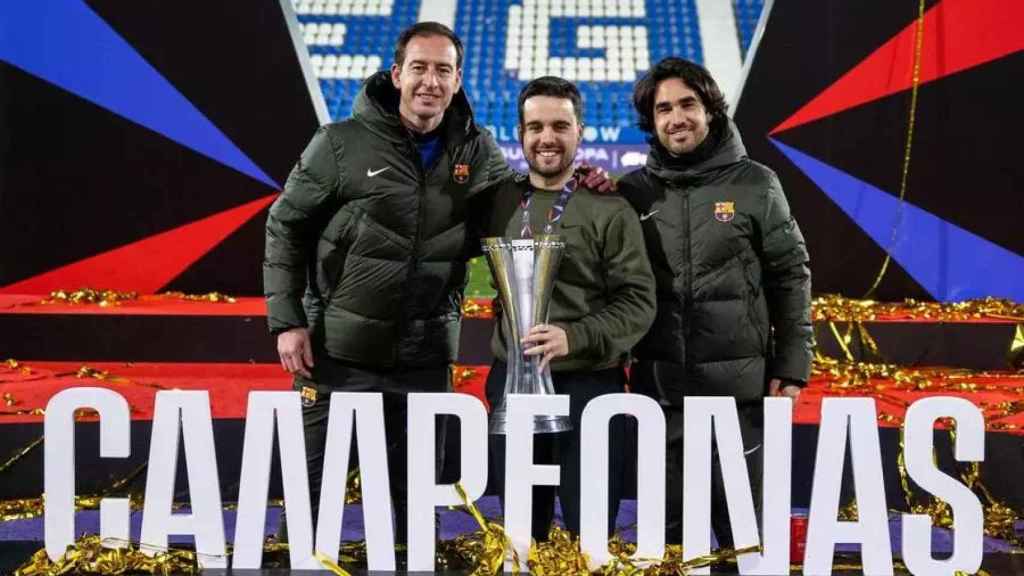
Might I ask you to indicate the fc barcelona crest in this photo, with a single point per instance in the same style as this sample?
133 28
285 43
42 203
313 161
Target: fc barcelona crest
725 211
461 173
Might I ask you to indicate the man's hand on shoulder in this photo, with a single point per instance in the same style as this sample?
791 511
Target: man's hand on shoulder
595 178
295 351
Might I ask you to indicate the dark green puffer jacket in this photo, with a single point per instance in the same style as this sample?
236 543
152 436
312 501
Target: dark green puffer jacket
730 264
603 295
366 247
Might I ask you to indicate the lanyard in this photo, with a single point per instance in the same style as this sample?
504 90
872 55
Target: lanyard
554 214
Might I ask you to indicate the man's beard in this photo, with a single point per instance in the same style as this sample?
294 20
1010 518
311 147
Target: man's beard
567 160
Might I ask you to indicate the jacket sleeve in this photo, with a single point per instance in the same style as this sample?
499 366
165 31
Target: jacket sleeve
787 284
614 329
478 220
491 161
295 221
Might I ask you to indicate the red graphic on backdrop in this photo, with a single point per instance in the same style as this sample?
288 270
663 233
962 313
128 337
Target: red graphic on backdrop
968 33
146 265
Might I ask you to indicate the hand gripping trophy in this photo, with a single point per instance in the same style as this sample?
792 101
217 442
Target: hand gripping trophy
524 272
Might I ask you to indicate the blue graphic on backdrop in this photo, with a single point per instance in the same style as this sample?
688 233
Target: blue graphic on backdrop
65 43
949 262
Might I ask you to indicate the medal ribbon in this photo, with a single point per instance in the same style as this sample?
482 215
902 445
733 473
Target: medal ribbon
554 214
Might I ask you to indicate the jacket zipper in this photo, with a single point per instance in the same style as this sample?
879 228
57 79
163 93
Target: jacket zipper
421 192
688 306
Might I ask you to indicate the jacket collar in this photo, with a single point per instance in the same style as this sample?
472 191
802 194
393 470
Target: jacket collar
376 106
723 148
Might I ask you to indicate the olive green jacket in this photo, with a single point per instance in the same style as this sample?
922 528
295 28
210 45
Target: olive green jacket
603 296
366 247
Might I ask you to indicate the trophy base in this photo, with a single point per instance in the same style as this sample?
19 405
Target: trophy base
541 424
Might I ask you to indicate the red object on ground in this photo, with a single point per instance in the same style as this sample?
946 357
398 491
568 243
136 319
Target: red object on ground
797 538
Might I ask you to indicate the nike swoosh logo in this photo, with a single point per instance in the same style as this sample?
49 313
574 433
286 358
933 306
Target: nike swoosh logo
648 215
372 173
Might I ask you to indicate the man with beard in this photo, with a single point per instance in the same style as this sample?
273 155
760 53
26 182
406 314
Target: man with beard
731 267
603 296
366 248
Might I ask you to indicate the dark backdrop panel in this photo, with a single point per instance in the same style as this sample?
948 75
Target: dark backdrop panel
77 179
962 166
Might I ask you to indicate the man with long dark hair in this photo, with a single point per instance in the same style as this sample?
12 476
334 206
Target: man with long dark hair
731 267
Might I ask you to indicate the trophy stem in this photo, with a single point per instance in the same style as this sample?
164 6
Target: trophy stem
527 376
524 272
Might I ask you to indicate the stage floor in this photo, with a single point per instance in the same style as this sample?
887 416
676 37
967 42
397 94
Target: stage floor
19 539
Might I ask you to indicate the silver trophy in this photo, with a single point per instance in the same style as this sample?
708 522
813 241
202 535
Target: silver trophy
524 271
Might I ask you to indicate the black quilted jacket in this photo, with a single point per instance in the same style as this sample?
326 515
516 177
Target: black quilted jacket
733 286
368 248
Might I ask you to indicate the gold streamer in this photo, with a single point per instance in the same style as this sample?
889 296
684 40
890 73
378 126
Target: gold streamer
914 86
486 547
999 519
19 454
842 340
1015 356
89 556
867 342
125 481
329 564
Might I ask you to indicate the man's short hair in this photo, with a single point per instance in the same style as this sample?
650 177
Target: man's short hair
556 88
695 76
427 29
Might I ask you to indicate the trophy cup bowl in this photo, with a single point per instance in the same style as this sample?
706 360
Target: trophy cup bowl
524 272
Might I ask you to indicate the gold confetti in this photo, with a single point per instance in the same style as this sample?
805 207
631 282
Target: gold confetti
1015 356
835 308
213 297
477 308
461 375
90 296
89 556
